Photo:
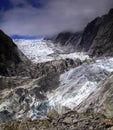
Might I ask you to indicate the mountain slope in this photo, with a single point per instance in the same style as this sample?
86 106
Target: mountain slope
103 42
96 39
10 55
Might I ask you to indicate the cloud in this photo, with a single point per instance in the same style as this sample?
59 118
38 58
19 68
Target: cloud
47 17
17 2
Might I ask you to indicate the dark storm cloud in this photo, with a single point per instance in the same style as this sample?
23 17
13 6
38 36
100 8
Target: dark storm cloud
46 17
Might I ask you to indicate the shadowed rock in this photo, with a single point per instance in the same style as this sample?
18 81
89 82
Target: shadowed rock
10 55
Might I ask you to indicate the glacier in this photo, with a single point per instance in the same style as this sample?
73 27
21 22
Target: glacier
75 86
35 50
78 83
42 51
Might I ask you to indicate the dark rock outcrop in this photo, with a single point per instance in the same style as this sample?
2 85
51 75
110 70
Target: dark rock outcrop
88 35
102 43
97 38
10 55
67 38
63 37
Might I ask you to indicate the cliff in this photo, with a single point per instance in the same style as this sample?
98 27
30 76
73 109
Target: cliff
10 55
96 39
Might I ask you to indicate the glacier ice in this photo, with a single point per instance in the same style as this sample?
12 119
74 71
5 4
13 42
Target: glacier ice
36 50
75 86
78 83
40 51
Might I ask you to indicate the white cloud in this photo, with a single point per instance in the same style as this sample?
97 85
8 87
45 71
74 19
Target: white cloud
55 16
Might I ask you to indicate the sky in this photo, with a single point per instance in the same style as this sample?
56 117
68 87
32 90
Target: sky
38 18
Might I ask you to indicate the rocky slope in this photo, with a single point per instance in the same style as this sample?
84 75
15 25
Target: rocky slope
96 38
66 38
102 44
10 55
69 121
66 41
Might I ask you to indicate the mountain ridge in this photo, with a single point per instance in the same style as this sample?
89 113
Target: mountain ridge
88 40
10 55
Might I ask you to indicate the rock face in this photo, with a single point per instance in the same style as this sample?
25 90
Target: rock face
102 44
96 38
69 121
63 38
68 38
89 34
10 55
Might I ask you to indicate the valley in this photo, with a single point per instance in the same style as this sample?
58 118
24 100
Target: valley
60 83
